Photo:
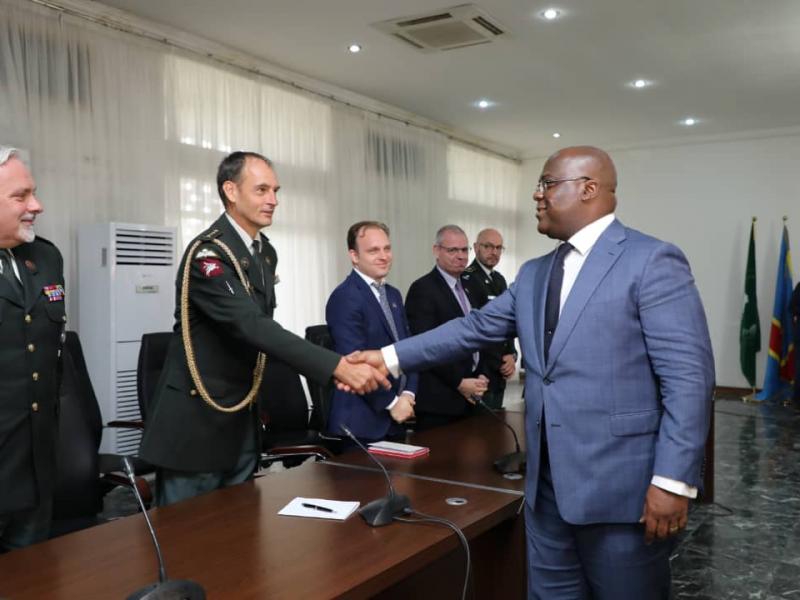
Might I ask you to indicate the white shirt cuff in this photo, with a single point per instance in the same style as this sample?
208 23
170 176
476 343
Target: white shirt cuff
676 487
396 398
391 360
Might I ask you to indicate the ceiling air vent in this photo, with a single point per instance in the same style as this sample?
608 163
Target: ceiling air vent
457 27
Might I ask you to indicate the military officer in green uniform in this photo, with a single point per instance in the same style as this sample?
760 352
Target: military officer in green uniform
202 430
485 283
32 319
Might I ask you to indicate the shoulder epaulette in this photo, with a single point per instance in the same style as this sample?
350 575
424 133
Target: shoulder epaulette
45 240
470 269
210 235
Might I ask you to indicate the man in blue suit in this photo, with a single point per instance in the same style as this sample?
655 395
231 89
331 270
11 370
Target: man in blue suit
618 388
365 312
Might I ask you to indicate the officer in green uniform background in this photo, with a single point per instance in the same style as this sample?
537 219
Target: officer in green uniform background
201 430
485 283
32 319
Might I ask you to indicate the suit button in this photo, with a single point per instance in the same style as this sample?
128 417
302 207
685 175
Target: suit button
547 381
31 348
28 319
193 392
35 376
35 407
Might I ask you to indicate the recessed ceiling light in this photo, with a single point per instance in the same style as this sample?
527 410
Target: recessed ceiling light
556 135
551 14
640 83
483 103
689 121
354 48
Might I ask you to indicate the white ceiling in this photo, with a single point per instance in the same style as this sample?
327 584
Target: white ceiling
732 64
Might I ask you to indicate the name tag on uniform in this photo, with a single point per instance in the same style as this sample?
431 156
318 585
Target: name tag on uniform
54 293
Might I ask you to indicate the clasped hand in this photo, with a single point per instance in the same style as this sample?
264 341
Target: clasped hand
361 372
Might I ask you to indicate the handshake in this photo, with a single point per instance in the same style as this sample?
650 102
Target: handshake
362 372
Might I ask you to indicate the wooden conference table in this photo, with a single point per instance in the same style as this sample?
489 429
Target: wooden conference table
233 542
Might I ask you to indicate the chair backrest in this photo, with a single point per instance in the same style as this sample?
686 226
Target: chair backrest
77 490
152 354
283 398
320 394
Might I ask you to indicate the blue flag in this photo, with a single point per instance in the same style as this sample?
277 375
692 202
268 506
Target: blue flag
779 375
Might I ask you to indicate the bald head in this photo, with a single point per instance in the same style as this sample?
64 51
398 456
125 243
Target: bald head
488 247
581 184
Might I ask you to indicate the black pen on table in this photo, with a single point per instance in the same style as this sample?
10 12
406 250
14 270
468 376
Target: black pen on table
317 507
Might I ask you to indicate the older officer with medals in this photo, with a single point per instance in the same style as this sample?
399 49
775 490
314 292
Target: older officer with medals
32 319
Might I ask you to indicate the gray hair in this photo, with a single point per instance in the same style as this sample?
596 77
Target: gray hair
7 153
447 229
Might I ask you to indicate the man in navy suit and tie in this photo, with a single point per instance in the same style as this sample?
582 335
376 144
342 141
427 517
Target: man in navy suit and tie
618 390
365 312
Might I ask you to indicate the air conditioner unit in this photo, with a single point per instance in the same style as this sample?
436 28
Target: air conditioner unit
126 276
445 29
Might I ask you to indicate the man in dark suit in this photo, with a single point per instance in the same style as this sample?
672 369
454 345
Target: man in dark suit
618 390
32 319
366 312
446 392
201 430
483 283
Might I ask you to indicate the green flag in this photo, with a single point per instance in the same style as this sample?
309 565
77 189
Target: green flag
750 330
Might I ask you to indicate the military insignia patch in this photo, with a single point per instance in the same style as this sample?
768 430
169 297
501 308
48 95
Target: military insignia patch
245 262
206 253
211 267
54 293
30 265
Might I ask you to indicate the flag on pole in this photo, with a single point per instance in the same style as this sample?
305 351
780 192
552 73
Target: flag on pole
750 329
779 374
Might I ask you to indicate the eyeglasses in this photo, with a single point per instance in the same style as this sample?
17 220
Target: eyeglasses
545 184
488 246
452 251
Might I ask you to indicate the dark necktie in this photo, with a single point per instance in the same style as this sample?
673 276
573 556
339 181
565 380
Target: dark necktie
553 303
258 260
8 271
383 299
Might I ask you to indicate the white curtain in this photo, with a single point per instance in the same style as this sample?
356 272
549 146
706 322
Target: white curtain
119 128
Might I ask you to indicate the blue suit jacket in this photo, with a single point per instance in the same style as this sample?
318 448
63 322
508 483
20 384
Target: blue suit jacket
356 322
627 391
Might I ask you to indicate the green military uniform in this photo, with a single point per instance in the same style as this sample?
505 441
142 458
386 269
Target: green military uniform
32 323
482 288
228 329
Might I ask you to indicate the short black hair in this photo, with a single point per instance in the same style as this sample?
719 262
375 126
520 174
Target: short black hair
230 169
358 229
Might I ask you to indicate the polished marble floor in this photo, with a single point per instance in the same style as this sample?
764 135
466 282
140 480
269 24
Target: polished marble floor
747 544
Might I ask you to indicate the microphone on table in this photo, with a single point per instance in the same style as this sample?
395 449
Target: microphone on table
510 463
383 510
165 589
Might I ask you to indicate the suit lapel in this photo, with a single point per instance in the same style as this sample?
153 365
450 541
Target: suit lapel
602 257
540 279
371 302
242 253
446 292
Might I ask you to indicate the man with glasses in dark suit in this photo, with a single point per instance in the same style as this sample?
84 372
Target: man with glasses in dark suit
484 283
446 392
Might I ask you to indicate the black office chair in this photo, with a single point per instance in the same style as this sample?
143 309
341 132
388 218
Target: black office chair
287 435
84 476
152 354
320 394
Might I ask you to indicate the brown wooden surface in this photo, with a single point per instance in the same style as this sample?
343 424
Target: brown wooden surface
233 542
461 452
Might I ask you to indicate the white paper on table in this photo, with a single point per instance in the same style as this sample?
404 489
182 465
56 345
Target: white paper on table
340 509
